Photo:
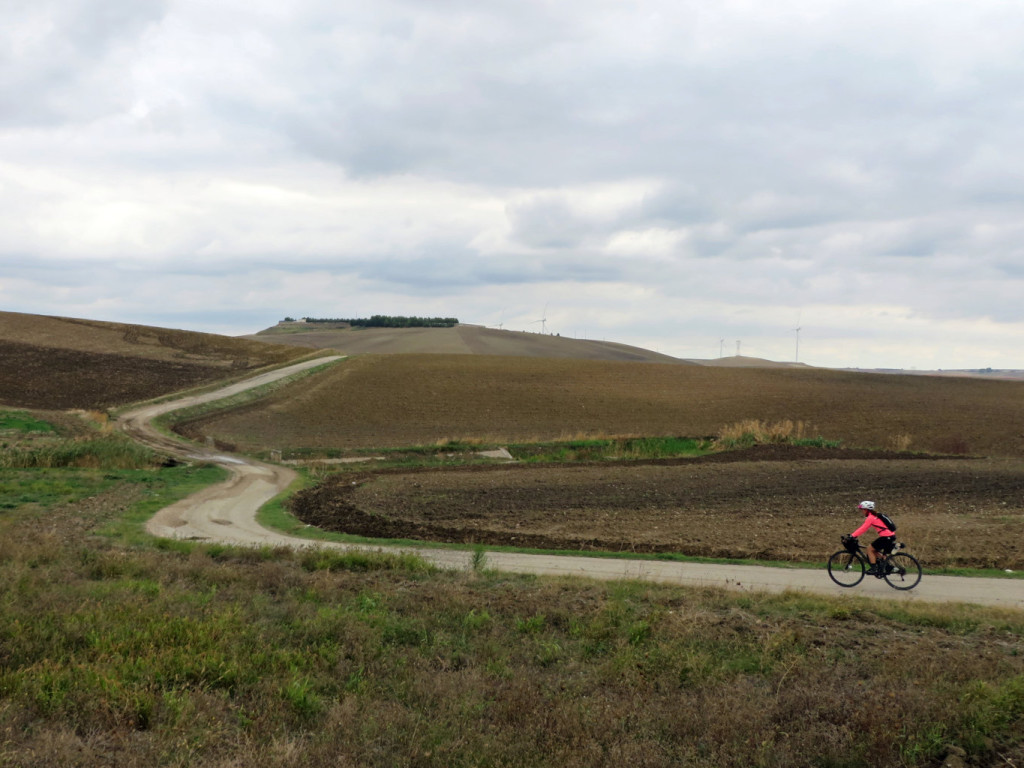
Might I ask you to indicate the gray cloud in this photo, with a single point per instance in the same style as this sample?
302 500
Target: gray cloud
706 165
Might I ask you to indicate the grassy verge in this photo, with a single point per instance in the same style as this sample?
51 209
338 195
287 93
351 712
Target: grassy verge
467 451
22 423
204 655
116 652
453 452
618 448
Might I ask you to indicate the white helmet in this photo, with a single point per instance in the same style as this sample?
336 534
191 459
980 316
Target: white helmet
867 506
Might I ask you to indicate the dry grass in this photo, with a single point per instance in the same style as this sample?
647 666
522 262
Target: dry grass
216 657
900 442
757 432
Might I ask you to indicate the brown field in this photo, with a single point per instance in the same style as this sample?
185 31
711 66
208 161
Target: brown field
398 400
953 511
63 363
459 340
783 504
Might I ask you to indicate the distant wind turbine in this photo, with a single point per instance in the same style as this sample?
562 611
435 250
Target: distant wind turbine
797 331
543 320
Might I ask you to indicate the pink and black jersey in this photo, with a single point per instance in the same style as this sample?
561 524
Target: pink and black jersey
872 520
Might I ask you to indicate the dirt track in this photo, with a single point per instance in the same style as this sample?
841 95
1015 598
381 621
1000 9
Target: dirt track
226 513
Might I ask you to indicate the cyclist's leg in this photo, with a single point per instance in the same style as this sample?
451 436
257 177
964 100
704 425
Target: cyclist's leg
882 546
873 559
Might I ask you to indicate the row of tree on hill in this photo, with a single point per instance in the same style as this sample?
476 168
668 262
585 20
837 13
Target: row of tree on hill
391 321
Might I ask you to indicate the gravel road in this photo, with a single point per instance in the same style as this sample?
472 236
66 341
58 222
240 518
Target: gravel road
226 513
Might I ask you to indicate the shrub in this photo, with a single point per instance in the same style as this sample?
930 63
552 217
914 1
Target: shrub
750 432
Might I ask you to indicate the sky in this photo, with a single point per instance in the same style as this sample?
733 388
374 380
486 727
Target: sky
701 179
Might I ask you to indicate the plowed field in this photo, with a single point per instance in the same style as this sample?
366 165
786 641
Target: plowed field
775 504
376 401
62 363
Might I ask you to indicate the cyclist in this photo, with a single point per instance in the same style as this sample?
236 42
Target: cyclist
885 542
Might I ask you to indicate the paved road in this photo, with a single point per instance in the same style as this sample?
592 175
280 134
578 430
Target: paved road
227 513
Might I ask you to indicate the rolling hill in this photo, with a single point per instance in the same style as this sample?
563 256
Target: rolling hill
475 382
400 400
62 363
457 340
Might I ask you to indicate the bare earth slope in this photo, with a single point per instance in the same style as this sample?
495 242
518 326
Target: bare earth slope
400 400
458 340
62 363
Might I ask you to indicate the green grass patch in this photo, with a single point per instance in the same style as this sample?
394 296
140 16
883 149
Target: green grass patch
210 653
373 660
24 422
620 448
450 453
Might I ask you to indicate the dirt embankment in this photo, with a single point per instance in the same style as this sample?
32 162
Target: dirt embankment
765 504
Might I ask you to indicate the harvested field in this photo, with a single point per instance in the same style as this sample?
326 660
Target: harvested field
774 504
458 340
378 401
60 363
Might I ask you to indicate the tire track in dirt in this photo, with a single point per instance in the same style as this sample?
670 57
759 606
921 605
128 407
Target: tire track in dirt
226 513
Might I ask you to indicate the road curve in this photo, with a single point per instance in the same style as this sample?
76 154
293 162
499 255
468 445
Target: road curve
226 513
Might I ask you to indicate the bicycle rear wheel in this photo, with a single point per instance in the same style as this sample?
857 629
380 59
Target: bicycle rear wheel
846 568
906 571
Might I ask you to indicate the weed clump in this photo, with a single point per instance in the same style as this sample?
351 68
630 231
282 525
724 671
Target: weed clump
106 451
751 432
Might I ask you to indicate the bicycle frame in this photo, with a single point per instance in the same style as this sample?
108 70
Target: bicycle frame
847 567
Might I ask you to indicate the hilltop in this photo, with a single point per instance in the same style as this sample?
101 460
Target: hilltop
468 339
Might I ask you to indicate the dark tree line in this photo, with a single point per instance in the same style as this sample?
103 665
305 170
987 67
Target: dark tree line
391 321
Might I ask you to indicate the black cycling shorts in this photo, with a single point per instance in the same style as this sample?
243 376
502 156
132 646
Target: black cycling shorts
884 544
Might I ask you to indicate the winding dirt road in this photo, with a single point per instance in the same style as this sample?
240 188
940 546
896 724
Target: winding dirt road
226 513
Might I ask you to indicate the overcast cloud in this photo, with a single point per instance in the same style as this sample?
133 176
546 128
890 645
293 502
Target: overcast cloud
691 177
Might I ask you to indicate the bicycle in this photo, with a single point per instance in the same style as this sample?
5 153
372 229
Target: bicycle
847 566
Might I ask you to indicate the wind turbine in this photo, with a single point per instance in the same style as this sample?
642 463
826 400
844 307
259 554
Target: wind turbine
543 320
797 331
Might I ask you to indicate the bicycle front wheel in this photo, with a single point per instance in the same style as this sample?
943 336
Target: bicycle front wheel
904 571
846 568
